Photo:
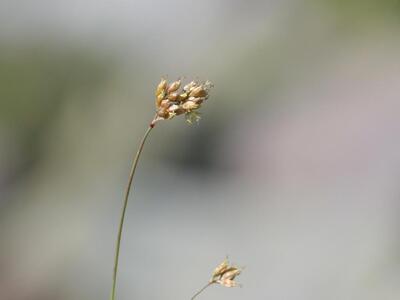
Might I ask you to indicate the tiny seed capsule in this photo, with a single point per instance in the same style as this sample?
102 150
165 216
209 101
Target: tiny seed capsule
165 104
199 100
174 86
159 99
180 111
190 105
163 113
182 97
161 87
173 96
189 86
198 92
173 108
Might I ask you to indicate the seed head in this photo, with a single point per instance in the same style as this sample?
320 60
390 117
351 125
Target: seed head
172 101
224 274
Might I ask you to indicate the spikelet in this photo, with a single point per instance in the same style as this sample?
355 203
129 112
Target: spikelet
225 274
172 100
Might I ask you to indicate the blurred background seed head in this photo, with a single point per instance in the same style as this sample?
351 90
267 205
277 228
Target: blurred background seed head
293 170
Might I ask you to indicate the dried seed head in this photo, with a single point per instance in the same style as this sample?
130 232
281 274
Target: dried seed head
225 274
172 101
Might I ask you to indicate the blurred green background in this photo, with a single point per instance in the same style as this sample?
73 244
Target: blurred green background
293 170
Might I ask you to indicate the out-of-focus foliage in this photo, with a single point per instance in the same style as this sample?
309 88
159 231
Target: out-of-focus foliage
362 10
35 81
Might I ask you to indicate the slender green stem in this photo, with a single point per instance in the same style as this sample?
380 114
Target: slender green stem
121 222
202 289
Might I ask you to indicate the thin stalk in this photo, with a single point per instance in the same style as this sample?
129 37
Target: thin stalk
202 289
121 222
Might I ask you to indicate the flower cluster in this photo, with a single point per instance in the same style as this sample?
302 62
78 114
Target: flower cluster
225 274
172 101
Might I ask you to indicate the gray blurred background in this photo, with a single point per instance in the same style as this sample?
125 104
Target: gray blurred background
293 171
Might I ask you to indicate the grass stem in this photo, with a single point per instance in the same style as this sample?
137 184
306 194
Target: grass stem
202 289
121 222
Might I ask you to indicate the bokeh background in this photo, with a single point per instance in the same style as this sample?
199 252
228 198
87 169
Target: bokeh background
293 171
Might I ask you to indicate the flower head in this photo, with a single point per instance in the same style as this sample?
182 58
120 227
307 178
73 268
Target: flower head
225 273
172 100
